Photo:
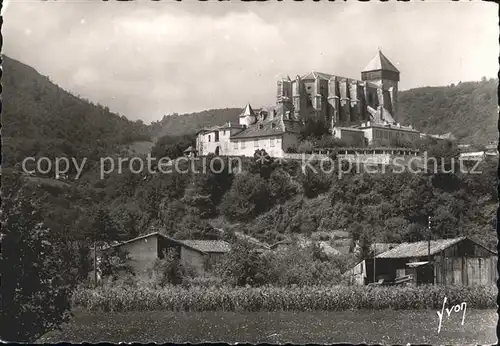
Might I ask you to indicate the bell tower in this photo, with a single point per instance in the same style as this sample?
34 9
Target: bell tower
385 75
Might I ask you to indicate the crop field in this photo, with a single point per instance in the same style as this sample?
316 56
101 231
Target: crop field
354 326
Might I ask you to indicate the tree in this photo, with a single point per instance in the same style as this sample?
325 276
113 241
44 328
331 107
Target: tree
247 198
244 265
168 269
37 281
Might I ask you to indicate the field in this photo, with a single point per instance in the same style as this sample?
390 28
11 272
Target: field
359 326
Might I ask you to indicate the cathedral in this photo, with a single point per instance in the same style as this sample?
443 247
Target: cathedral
343 101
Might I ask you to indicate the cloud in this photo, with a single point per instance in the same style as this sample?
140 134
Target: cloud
146 59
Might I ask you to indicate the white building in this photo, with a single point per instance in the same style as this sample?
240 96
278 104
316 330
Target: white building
266 129
379 133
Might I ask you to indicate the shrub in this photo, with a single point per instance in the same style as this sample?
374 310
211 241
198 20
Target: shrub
306 147
168 270
37 279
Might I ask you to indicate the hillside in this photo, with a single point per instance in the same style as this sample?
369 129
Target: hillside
41 119
178 125
468 110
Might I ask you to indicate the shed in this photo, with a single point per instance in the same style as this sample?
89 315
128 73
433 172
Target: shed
457 261
146 249
215 249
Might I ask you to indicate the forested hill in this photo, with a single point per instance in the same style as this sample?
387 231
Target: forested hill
41 119
468 110
184 124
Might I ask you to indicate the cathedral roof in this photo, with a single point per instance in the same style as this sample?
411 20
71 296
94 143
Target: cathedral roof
314 75
380 62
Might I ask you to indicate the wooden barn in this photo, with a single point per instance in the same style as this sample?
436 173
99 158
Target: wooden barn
458 261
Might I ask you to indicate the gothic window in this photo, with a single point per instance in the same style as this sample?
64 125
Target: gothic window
309 100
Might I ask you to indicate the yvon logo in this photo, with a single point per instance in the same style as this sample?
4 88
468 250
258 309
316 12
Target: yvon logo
456 308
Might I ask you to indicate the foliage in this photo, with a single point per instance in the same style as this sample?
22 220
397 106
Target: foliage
243 266
37 279
468 110
171 146
181 124
168 270
306 147
115 263
41 119
247 198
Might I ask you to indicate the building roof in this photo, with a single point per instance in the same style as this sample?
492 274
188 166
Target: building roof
380 62
247 111
251 240
447 135
209 246
420 249
270 127
158 234
189 149
382 247
228 125
387 126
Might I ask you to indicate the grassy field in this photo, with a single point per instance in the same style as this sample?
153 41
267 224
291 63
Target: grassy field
360 326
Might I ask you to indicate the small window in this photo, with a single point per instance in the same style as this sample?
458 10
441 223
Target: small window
216 136
209 138
243 144
235 145
273 125
256 143
271 142
261 126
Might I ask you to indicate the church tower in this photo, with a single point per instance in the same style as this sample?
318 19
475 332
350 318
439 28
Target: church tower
385 75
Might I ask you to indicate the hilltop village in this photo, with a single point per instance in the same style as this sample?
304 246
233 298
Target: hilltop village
358 112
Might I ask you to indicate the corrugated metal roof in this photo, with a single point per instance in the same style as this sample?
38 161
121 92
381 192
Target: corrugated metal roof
209 245
419 249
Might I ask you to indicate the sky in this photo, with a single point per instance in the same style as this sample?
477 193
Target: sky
146 59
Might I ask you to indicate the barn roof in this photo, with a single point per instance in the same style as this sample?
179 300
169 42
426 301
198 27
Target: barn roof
159 235
420 249
209 245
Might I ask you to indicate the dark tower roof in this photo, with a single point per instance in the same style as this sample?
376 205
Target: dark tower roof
380 62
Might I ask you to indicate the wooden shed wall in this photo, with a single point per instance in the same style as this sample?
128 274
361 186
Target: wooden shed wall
467 271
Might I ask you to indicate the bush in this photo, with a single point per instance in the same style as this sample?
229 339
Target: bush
247 198
168 270
243 266
37 276
308 298
306 147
